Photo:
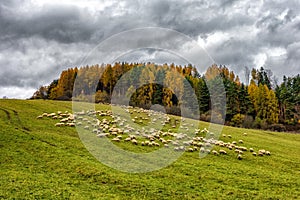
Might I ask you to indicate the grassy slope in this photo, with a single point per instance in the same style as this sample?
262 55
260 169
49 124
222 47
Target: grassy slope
39 160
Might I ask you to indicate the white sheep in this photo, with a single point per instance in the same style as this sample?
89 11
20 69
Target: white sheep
239 156
221 151
71 124
190 149
134 141
214 152
116 139
59 124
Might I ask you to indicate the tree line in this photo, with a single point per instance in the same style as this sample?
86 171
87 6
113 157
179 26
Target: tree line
260 104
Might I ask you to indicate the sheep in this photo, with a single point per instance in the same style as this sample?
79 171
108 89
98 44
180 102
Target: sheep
116 139
229 136
239 156
86 127
156 144
214 152
254 154
119 136
199 144
71 124
134 141
268 153
207 144
166 145
202 150
39 117
221 151
79 123
132 136
59 124
238 151
190 149
64 120
262 151
243 148
245 134
251 149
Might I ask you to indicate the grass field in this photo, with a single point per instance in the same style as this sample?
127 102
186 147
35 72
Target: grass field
41 161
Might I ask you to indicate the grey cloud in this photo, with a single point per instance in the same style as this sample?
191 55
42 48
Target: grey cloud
35 46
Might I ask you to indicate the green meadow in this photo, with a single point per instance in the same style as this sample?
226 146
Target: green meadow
41 161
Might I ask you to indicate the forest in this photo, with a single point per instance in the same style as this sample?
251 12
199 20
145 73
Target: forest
260 103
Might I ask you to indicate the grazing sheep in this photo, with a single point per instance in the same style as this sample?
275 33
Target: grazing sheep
260 153
254 154
243 148
238 151
207 144
79 123
134 141
116 139
229 136
221 151
251 149
39 117
71 124
214 152
241 141
190 149
239 156
202 150
87 127
268 153
59 124
245 134
119 136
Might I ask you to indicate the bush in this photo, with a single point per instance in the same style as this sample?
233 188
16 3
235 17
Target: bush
248 121
277 127
237 120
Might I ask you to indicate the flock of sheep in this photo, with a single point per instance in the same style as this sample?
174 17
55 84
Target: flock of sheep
134 130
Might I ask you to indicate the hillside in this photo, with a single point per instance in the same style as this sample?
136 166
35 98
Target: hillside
40 160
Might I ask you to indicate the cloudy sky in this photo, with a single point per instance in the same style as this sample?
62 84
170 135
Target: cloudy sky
40 38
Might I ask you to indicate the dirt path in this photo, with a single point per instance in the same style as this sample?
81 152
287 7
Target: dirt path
7 114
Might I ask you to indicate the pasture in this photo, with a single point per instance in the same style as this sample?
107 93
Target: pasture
40 160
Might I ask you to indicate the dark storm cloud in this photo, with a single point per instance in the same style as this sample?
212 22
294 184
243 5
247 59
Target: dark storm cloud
37 41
